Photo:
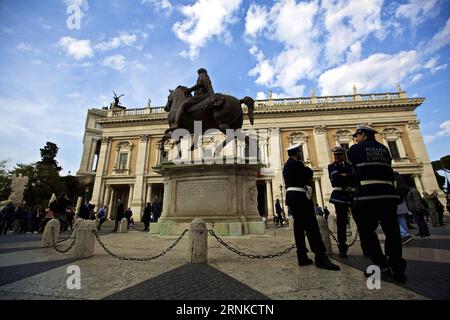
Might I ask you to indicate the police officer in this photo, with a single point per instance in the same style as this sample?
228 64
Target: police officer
341 176
375 201
297 178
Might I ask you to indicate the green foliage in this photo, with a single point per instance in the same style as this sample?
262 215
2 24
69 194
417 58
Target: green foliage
5 180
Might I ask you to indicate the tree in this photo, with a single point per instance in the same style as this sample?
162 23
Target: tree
44 178
5 180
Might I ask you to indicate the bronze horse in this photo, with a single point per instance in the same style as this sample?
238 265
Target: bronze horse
229 115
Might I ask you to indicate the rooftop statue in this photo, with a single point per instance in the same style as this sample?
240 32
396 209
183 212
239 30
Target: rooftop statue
116 103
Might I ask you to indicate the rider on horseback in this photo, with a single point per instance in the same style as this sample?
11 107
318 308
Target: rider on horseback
202 90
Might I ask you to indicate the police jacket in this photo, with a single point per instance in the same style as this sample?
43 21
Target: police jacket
296 175
343 186
374 177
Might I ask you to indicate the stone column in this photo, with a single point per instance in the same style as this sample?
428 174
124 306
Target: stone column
149 193
138 194
318 192
275 161
269 200
418 184
107 197
198 242
85 159
130 196
322 151
111 204
427 177
101 171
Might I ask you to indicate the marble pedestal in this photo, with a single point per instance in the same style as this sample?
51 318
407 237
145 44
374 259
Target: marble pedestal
223 195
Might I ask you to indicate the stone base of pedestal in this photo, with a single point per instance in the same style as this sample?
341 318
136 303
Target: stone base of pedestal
169 228
223 195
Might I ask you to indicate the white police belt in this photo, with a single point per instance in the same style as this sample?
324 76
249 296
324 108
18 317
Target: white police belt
307 190
367 182
348 189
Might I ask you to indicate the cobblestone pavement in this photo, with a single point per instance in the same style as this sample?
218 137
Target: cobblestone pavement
30 272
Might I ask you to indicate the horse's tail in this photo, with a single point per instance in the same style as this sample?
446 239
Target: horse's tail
250 103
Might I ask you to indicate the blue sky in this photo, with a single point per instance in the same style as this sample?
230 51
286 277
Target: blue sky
52 74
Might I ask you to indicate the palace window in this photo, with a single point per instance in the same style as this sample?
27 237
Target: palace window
394 149
345 146
392 138
302 139
343 138
123 158
163 156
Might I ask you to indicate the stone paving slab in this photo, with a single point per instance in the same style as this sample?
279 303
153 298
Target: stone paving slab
190 282
279 278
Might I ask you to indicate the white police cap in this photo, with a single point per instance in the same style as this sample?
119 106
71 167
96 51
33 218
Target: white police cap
294 147
364 129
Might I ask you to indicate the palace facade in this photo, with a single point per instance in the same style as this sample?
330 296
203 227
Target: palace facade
122 146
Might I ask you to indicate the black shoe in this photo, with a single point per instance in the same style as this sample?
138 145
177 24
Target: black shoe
406 240
325 263
304 261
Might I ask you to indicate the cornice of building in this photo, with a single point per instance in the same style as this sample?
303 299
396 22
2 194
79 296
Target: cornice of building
327 105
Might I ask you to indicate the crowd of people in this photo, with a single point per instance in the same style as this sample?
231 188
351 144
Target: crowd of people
33 220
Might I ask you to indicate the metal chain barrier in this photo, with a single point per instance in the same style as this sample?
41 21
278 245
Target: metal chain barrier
351 243
138 229
65 239
251 256
55 245
138 259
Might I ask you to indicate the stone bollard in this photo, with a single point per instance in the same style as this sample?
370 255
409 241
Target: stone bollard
198 242
51 233
123 228
324 233
85 241
76 226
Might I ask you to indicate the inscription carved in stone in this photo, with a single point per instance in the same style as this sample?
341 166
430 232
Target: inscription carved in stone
209 195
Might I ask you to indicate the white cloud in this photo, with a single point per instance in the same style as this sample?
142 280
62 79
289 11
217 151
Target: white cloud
204 20
377 71
160 5
124 39
292 24
440 39
444 132
116 62
77 49
264 71
256 19
433 66
417 77
417 11
348 22
25 47
354 53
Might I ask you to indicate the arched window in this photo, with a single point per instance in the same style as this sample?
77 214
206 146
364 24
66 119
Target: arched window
344 138
392 138
123 158
301 138
163 156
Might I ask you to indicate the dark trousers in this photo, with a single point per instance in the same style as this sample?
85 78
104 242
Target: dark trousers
341 221
384 212
102 220
305 222
117 224
440 215
421 224
146 224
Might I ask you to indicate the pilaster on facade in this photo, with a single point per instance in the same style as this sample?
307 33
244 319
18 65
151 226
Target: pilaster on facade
101 172
323 159
138 194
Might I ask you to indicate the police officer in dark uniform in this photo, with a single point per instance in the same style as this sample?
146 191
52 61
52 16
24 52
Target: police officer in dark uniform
297 179
376 201
342 180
